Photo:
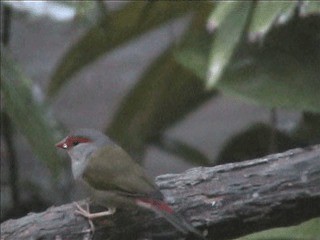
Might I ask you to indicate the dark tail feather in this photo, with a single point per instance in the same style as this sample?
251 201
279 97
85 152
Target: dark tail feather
168 213
180 224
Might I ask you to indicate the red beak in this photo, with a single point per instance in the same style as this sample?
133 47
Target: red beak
61 144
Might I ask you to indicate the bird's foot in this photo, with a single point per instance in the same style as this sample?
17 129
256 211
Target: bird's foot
87 214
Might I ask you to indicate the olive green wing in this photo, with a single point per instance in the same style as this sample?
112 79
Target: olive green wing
112 169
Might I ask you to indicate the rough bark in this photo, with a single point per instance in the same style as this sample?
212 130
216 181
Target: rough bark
225 201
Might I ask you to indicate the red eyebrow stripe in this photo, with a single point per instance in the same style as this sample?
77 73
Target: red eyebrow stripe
68 141
79 139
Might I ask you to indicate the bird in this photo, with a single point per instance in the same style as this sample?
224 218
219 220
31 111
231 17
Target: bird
115 180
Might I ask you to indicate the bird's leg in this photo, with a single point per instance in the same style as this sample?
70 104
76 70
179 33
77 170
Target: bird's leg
84 213
87 214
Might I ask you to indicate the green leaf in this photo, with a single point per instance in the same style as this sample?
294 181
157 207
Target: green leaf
234 17
193 52
163 96
312 6
266 13
281 69
114 30
305 231
183 150
29 116
88 13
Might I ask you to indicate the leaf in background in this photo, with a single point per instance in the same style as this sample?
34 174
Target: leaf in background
281 69
89 12
267 11
312 6
115 29
305 231
183 150
28 116
254 142
164 95
227 36
86 12
193 51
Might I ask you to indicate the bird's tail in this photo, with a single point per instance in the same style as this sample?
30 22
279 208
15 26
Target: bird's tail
168 213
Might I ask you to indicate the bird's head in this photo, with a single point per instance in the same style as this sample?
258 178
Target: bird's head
80 145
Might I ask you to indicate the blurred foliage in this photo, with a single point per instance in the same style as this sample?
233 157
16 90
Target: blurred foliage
305 231
87 12
164 94
29 115
233 19
312 7
280 70
153 104
266 12
275 68
115 29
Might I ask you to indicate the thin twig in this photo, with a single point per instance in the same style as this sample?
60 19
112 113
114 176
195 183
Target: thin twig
273 135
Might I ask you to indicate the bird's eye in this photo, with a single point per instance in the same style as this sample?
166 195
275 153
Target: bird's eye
75 143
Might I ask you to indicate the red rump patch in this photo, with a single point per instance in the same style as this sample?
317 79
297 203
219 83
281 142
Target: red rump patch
162 206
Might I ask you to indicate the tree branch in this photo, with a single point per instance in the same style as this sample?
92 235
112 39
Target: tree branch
227 201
